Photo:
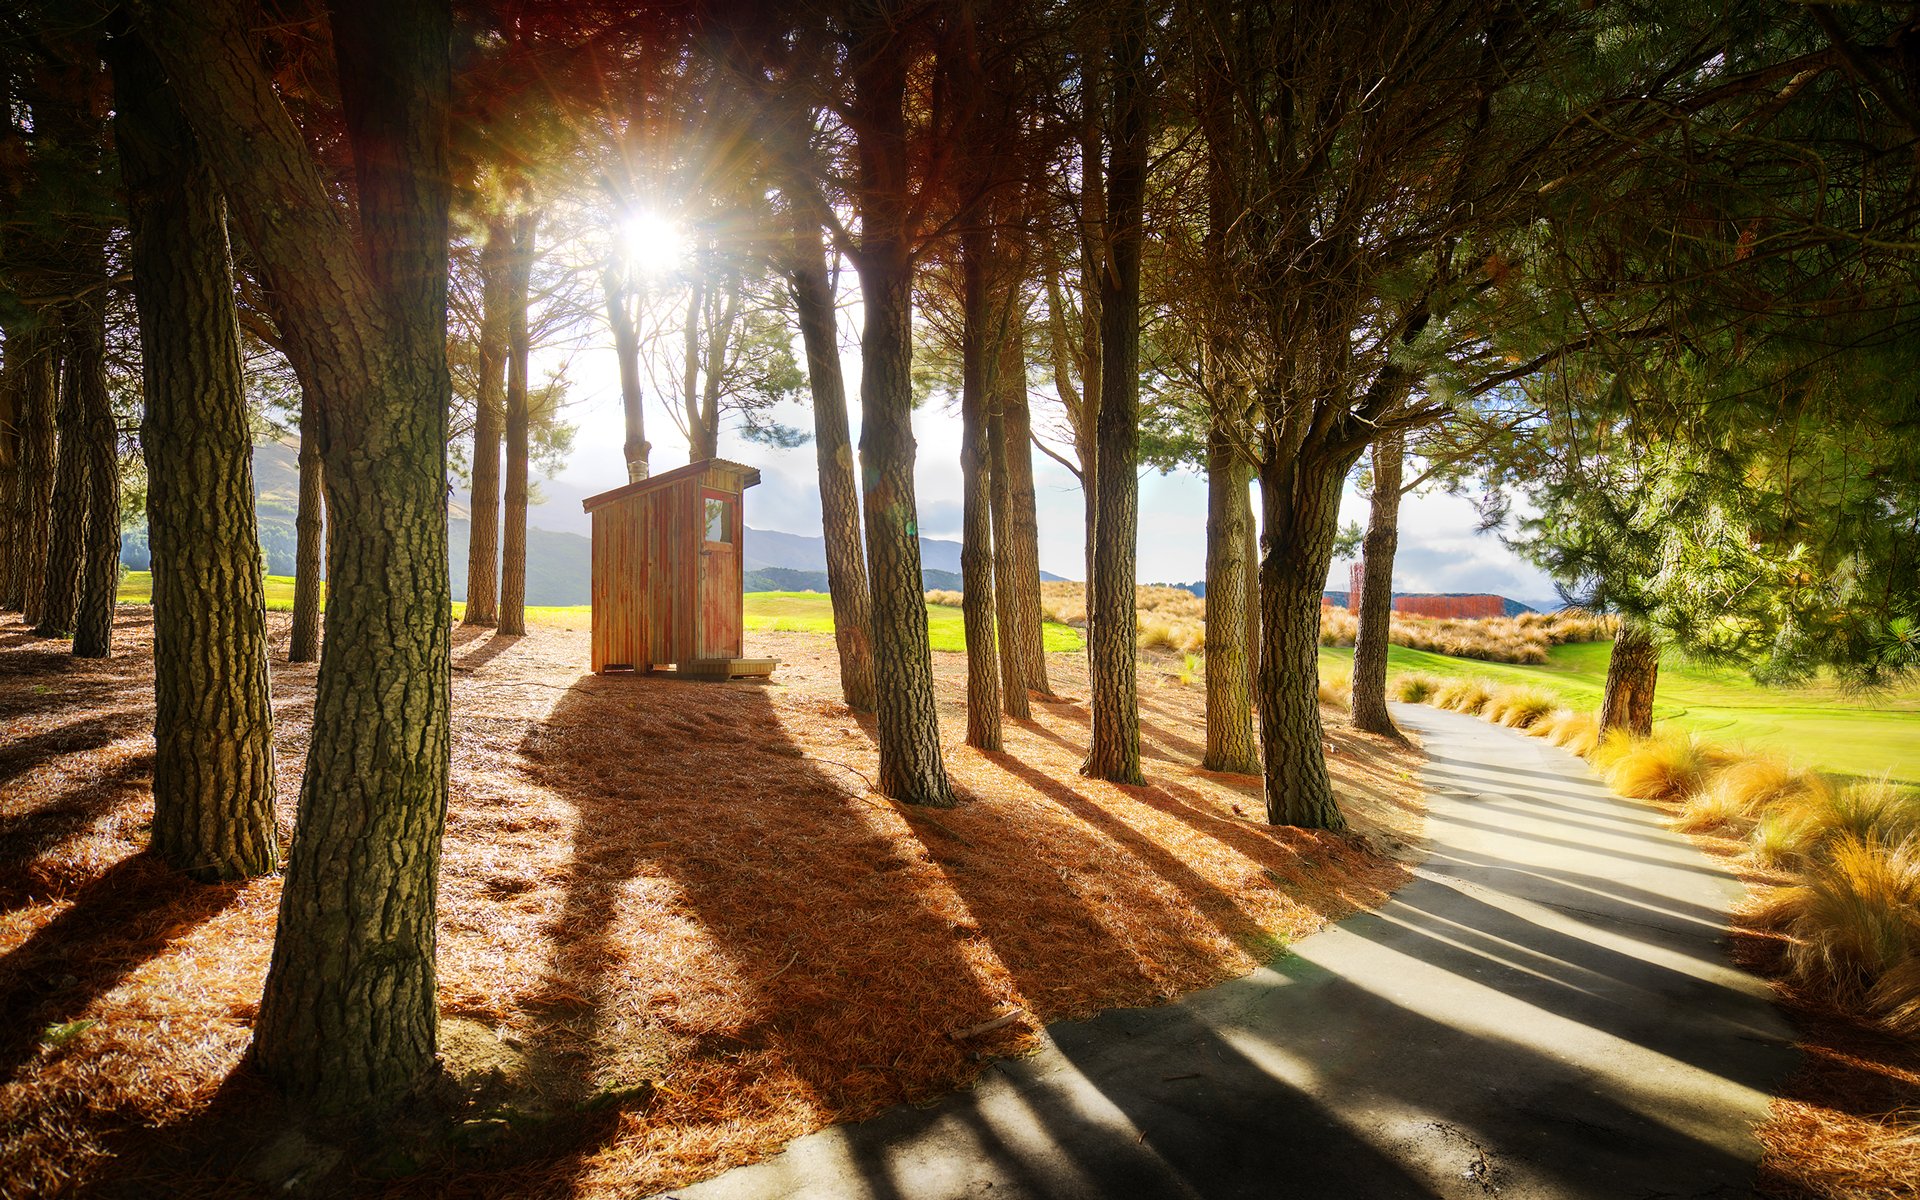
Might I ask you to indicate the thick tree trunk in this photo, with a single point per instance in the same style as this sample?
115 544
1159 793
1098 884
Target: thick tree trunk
483 514
1376 592
1300 500
30 371
909 729
1017 537
1633 672
309 526
213 783
348 1022
59 583
100 547
626 349
979 363
1230 739
513 557
1114 752
833 452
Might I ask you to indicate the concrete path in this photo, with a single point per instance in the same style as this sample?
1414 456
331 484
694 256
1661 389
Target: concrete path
1546 1010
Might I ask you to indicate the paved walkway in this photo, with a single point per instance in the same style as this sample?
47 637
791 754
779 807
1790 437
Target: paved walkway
1546 1010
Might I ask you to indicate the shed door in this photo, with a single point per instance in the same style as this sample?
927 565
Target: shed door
720 602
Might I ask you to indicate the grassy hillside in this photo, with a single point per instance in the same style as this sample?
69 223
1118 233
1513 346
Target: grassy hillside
812 612
1823 726
800 612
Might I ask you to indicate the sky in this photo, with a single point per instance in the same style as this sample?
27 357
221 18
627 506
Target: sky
1440 550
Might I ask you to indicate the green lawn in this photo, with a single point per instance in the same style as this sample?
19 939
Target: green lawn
812 612
1823 725
794 612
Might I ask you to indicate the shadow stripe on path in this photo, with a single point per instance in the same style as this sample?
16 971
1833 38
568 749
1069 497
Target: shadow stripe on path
1546 1011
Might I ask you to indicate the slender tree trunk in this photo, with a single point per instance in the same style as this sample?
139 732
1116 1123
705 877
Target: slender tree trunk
706 444
513 564
979 363
59 584
1006 602
213 725
1300 499
1017 544
1633 672
690 370
100 564
30 373
1376 591
909 731
1251 557
483 514
10 440
833 452
626 349
1230 740
309 526
348 1022
1114 753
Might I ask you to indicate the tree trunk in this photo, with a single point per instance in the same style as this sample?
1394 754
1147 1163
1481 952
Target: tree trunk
10 438
59 585
483 513
347 1022
909 729
513 557
309 525
1017 536
30 371
979 351
213 784
1300 500
1376 590
100 548
1633 671
1230 742
626 349
1114 753
833 452
1006 603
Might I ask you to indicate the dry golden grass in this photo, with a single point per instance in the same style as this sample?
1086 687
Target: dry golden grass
1414 687
673 914
1520 707
1175 618
1743 789
1336 689
1669 766
1468 696
1854 923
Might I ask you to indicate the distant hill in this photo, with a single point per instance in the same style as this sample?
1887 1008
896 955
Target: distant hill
786 579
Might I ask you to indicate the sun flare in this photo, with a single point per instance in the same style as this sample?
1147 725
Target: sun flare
656 245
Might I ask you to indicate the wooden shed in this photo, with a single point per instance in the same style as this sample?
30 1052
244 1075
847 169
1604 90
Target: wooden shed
667 573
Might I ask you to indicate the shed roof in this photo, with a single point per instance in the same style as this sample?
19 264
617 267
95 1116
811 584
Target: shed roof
744 475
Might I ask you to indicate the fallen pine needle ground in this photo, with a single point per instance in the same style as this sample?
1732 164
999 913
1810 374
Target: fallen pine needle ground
678 928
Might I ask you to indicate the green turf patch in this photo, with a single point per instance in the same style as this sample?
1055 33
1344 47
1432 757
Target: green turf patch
1823 725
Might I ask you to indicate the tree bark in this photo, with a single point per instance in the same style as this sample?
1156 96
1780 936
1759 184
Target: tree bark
909 732
100 546
30 372
309 525
213 783
1376 591
513 557
833 452
1300 501
1230 739
626 349
1633 672
1114 752
483 514
11 434
347 1022
59 584
1013 661
979 352
1017 536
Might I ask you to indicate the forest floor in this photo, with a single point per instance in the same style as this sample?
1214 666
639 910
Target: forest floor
677 927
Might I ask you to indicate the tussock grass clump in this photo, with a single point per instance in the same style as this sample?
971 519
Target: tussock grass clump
1415 687
1520 707
1609 748
940 596
1468 696
1802 825
1743 790
1336 689
1187 637
1855 924
1667 766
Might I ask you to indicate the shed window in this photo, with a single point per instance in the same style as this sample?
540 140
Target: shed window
719 520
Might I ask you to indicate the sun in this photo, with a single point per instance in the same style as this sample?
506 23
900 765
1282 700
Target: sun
656 245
